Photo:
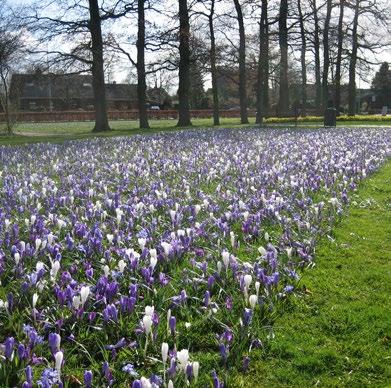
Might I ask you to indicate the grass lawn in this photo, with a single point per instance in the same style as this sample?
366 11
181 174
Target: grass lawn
338 330
59 132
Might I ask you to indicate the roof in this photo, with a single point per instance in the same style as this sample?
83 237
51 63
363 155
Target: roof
65 86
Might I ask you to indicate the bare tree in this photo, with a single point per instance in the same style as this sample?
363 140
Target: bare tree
338 66
263 65
213 69
141 79
316 48
81 28
303 61
283 104
242 64
326 55
98 76
184 65
11 46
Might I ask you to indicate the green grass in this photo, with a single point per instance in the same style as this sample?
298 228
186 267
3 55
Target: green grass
59 132
337 332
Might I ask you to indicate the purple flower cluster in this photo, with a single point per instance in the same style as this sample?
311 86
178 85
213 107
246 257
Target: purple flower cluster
116 246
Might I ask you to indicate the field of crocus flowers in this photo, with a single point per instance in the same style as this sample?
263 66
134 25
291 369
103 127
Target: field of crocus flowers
162 260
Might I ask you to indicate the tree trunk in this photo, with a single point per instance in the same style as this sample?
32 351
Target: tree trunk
318 84
303 52
184 66
6 103
98 77
353 62
265 58
326 56
263 66
242 65
338 64
216 118
141 82
283 104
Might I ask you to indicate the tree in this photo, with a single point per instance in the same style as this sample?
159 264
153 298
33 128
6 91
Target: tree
11 46
338 65
303 52
316 46
242 64
98 75
263 65
283 104
381 86
326 55
184 66
141 79
353 62
213 70
54 21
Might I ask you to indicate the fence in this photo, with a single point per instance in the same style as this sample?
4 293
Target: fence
66 116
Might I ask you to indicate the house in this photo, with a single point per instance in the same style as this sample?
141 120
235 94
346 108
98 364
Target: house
158 96
62 92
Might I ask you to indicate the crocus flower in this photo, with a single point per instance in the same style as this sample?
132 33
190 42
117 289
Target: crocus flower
84 293
58 357
172 324
164 353
88 379
54 342
253 299
183 359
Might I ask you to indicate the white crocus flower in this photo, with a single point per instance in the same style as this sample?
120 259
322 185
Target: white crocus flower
196 368
225 256
257 286
183 359
149 310
121 265
253 301
262 251
38 243
142 242
166 247
76 301
59 356
35 300
232 237
84 293
164 353
17 258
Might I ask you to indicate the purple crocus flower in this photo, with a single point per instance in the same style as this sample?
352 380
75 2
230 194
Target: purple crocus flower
172 324
223 352
29 374
88 379
247 316
54 342
110 313
9 347
137 384
129 368
189 371
172 369
246 363
22 353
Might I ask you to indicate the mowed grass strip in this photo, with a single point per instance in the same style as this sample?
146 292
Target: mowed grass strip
337 331
25 133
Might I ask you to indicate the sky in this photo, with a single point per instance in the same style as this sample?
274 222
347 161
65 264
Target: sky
122 70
